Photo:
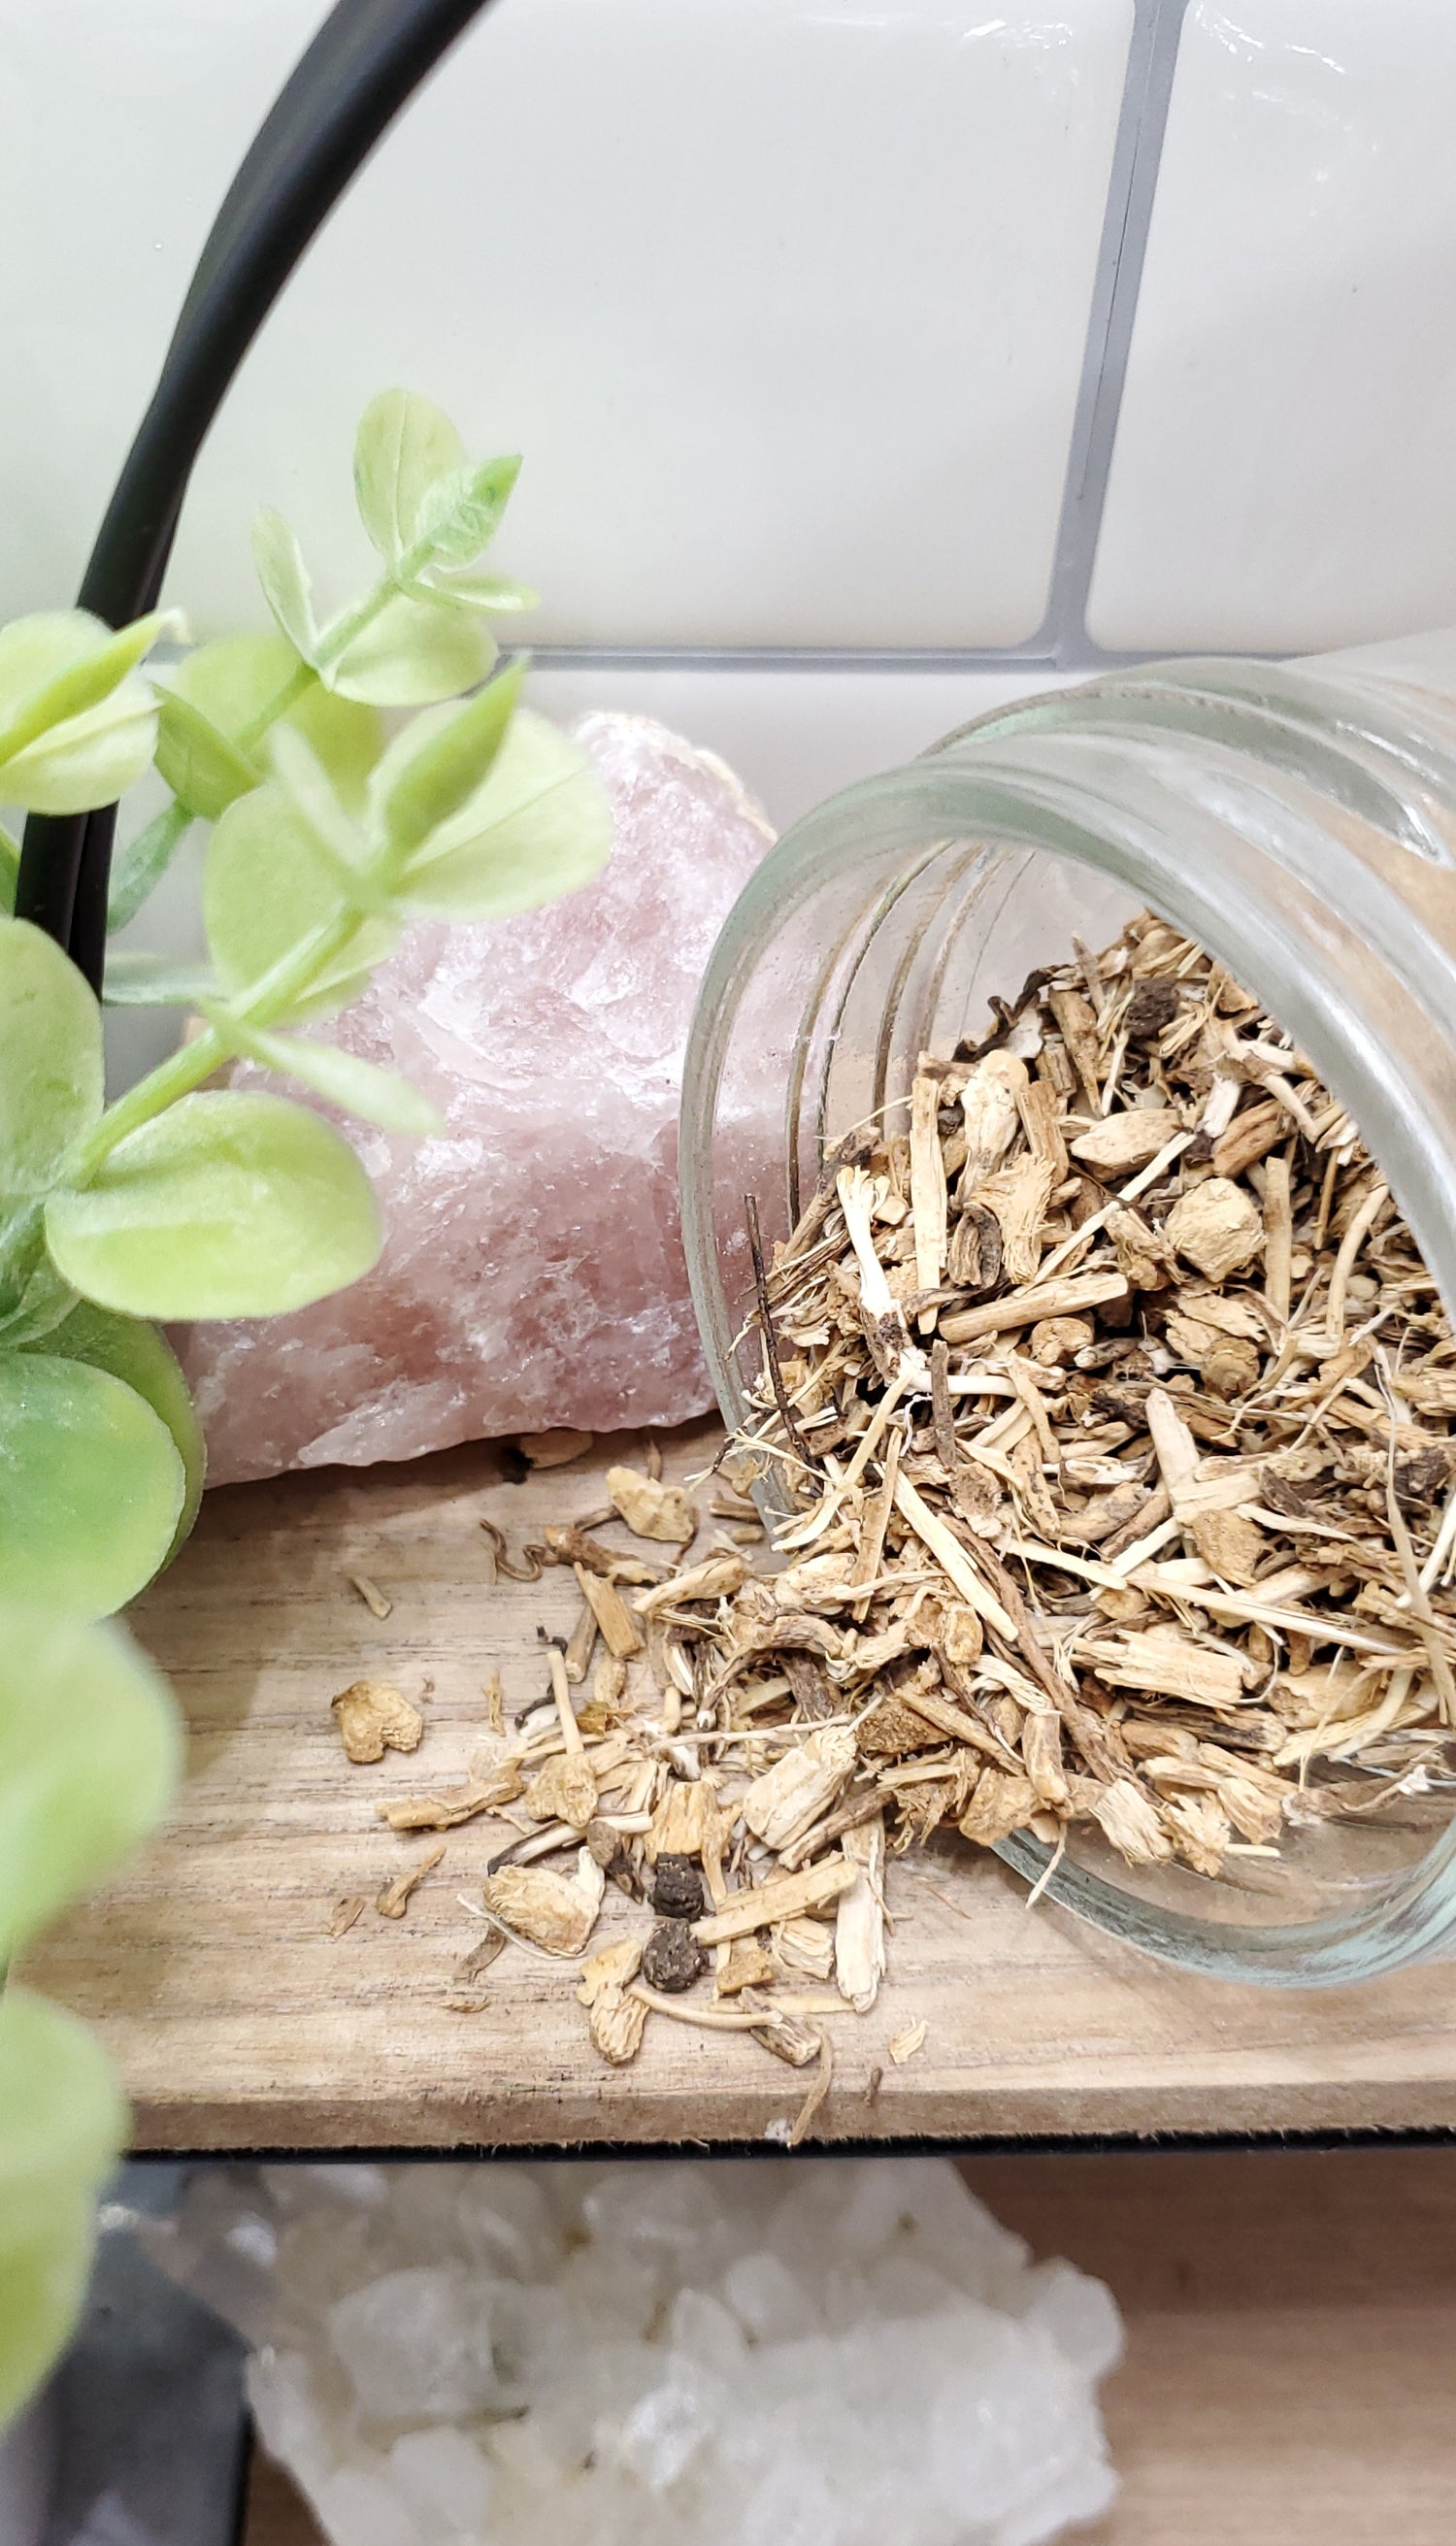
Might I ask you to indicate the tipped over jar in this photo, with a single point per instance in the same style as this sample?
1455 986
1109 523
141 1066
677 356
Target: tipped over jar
1298 822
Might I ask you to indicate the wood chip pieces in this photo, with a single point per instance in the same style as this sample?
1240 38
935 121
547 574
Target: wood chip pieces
650 1508
373 1718
551 1912
1101 1408
394 1897
1106 1434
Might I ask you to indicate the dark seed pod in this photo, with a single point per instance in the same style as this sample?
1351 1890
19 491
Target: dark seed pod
677 1888
673 1957
1420 1477
1152 1005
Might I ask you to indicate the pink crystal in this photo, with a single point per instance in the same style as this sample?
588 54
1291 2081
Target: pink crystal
532 1271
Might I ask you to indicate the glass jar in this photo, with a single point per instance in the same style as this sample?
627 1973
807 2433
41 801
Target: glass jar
1299 820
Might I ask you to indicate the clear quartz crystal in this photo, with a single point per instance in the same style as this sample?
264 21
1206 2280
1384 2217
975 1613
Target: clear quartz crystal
814 2353
363 2506
445 2478
416 2343
769 2303
532 1271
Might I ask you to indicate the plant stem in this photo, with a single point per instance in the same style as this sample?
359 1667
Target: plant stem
177 1075
153 849
143 865
289 979
278 990
334 640
300 682
340 636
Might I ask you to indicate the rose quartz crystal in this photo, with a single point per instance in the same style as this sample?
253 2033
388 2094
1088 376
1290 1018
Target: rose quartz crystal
532 1271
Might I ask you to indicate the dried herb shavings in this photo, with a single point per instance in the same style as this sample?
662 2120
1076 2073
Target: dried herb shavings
1107 1405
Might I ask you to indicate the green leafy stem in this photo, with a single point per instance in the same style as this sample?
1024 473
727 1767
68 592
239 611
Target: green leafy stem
416 634
183 1199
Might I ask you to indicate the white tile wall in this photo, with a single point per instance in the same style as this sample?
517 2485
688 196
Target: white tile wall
795 737
785 300
120 125
1284 474
788 303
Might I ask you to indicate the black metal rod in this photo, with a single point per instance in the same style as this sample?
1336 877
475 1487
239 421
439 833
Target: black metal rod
365 63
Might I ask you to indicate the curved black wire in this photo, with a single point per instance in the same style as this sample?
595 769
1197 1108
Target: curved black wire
364 64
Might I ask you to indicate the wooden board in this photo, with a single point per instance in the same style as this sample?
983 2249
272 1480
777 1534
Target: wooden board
237 2021
1291 2326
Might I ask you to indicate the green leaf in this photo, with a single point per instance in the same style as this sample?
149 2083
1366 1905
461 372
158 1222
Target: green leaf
538 827
460 514
58 664
9 869
134 980
412 652
358 1087
230 688
62 2126
32 1297
52 1071
76 729
284 576
89 759
346 737
402 447
134 1351
305 781
139 867
226 1205
90 1749
39 650
266 885
204 769
438 760
62 2118
91 1486
478 592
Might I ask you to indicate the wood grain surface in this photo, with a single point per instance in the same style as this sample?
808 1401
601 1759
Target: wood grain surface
237 2021
1291 2343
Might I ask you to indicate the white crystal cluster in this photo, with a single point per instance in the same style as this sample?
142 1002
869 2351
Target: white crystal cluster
791 2352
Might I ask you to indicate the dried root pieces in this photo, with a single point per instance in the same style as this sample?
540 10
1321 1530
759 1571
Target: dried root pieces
1107 1408
1128 1417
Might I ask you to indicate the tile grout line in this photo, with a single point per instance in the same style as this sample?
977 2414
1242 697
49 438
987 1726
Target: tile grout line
1061 642
1152 55
588 657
